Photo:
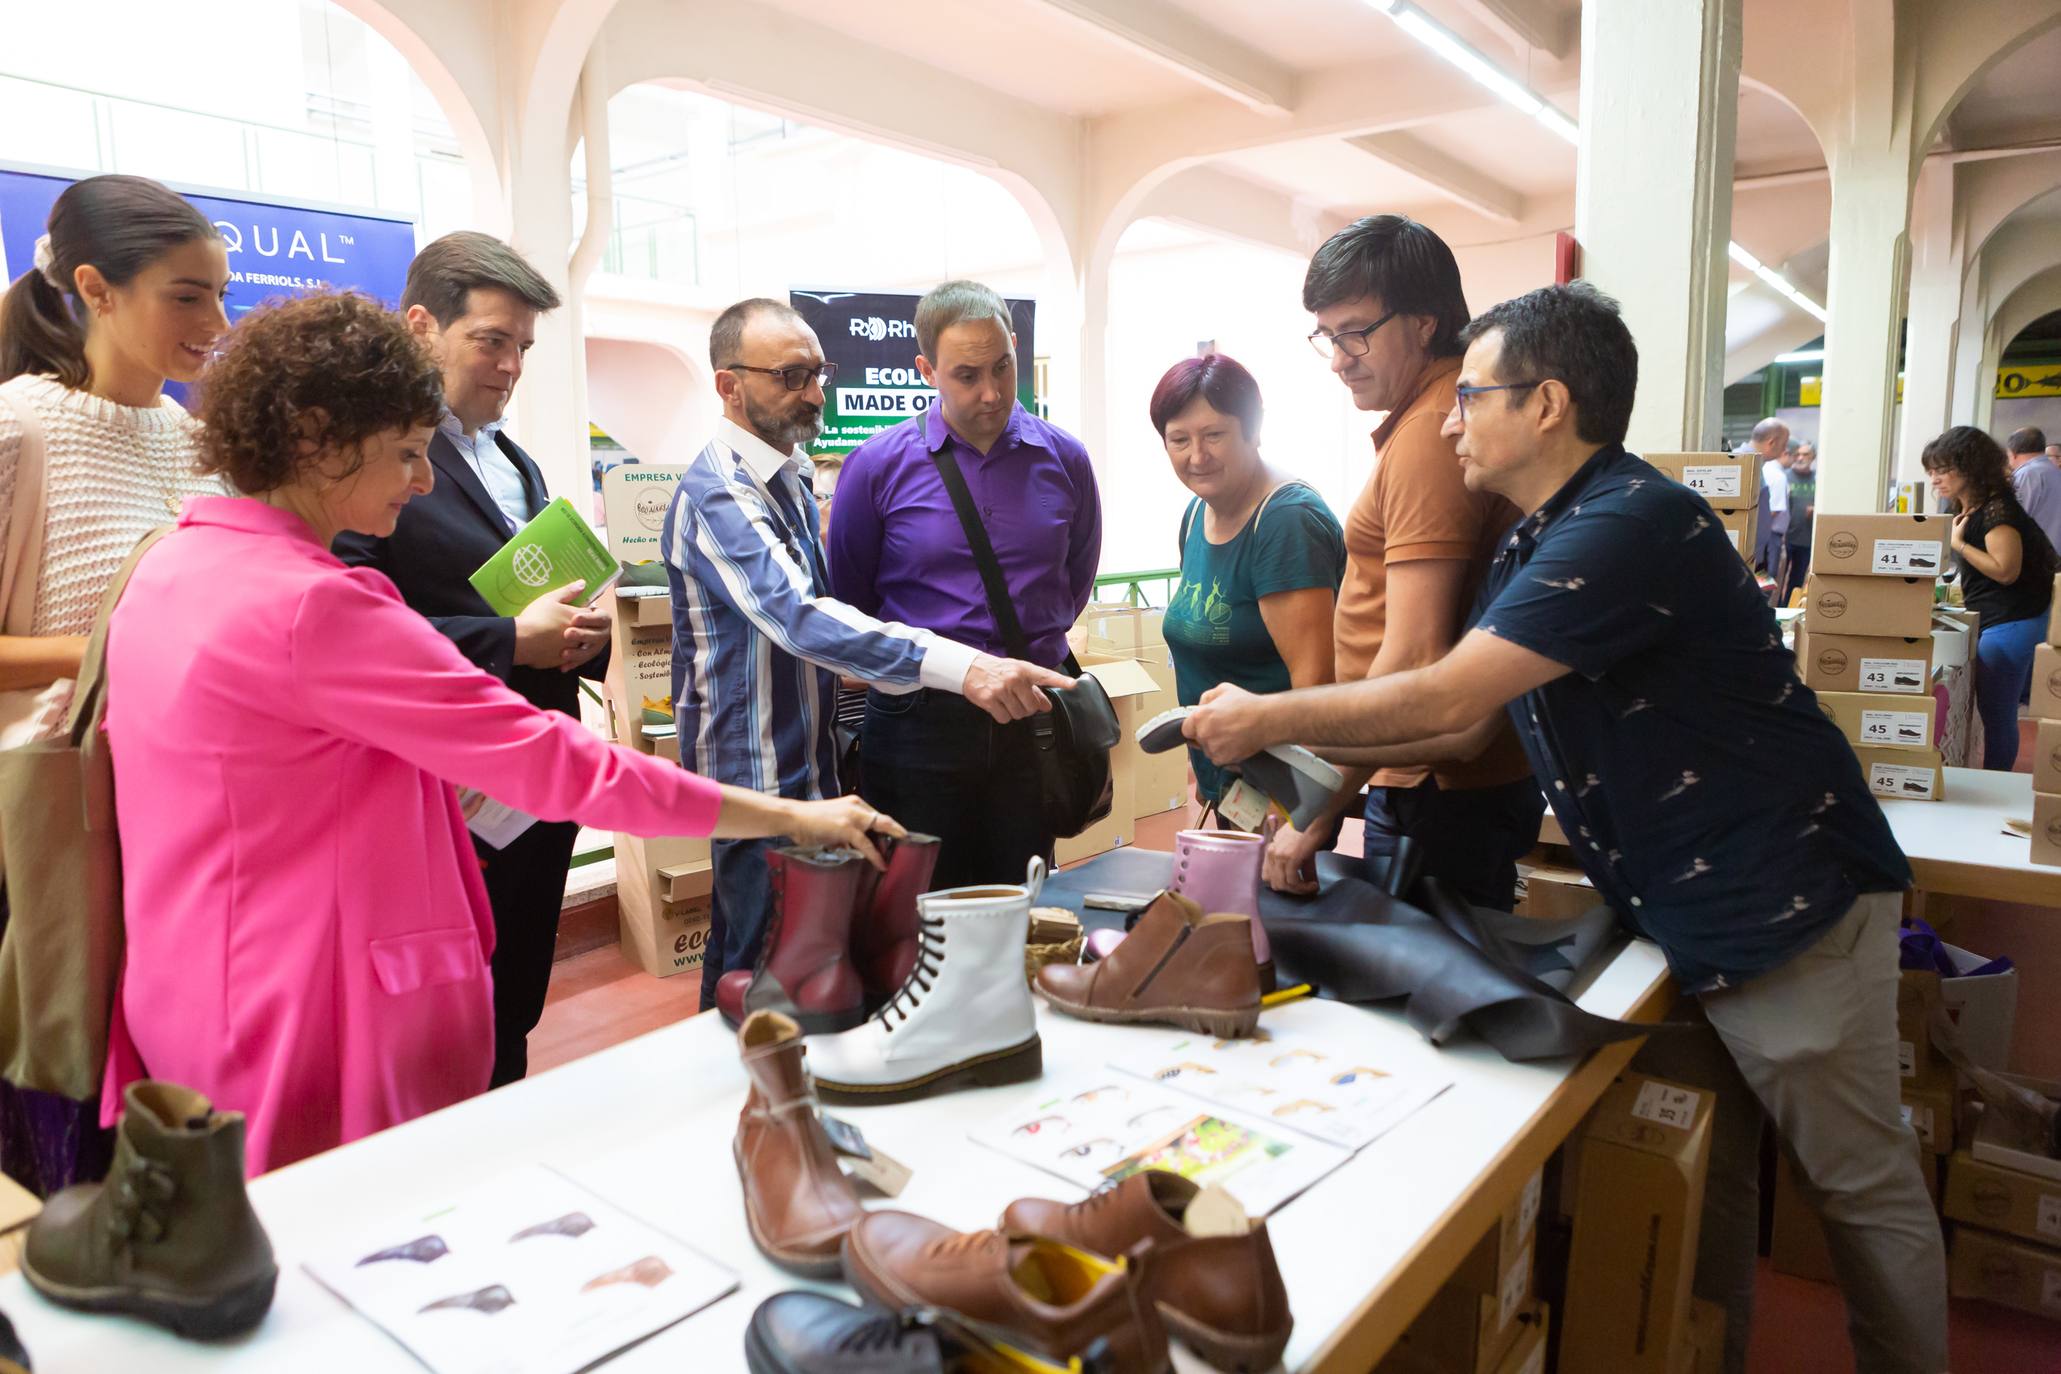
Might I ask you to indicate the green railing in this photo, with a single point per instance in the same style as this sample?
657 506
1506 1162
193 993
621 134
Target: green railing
1134 584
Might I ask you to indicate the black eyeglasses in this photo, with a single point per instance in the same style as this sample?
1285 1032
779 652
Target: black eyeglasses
1461 393
1354 343
793 378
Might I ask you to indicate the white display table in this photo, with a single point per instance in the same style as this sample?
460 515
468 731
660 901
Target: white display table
1959 845
648 1123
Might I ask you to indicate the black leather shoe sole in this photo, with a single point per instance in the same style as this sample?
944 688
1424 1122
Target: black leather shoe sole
196 1318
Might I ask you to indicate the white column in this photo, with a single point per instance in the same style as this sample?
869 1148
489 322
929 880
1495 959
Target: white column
1870 202
1653 198
1986 376
1935 309
550 415
1974 322
1094 361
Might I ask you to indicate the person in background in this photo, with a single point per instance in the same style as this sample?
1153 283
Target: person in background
1803 509
125 293
2036 480
758 641
475 302
1261 555
898 550
1634 652
1385 293
1771 442
308 932
2007 567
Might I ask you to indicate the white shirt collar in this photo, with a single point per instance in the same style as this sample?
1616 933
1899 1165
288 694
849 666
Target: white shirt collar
452 426
755 453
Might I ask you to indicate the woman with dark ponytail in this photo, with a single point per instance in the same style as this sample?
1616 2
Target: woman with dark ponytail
125 293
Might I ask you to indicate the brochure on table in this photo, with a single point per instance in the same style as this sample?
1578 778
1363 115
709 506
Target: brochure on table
529 1274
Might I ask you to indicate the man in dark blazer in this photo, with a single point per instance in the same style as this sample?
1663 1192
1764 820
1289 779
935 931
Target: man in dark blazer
475 302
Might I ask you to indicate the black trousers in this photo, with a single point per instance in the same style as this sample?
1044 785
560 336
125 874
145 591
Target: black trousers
526 888
942 766
1472 838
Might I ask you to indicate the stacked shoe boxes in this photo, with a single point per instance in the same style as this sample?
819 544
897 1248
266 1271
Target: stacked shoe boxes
1866 647
1136 632
1729 482
2004 1198
1486 1319
2046 752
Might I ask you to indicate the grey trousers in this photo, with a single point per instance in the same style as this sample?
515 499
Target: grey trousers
1812 1045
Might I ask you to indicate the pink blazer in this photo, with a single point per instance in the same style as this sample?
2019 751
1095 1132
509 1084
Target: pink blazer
307 929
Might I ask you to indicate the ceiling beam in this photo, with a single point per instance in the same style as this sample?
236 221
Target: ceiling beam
1534 24
1450 177
1158 31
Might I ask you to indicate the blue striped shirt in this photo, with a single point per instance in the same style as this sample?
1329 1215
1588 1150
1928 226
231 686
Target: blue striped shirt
758 643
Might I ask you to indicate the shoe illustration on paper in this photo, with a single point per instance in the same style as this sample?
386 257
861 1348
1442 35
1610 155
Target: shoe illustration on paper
1301 1105
489 1301
1176 1070
1045 1125
650 1272
1356 1074
572 1226
421 1250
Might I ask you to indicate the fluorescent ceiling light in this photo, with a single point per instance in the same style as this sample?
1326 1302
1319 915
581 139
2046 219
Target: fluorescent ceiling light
1802 355
1514 93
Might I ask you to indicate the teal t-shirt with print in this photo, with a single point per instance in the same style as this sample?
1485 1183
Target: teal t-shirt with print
1213 625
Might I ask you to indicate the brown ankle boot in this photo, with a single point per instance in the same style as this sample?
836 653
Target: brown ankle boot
1178 965
797 1202
1219 1288
170 1236
1058 1300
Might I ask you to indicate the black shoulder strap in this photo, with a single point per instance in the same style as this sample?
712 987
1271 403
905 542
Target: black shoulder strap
999 604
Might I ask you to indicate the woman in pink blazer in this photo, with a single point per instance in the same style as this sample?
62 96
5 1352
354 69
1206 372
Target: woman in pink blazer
307 929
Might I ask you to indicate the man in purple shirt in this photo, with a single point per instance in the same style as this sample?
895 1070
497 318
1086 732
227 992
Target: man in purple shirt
898 551
2036 480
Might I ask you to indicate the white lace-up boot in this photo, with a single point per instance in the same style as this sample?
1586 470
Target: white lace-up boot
963 1016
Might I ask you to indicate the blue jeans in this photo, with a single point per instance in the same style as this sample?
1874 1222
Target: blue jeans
739 909
2004 670
1471 838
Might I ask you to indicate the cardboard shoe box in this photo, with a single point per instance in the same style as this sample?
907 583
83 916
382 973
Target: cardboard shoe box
1897 606
1485 1310
1129 687
1982 1264
2046 682
1738 527
1864 663
2003 1199
1638 1212
1931 1103
1550 890
662 891
1883 720
1727 481
2046 828
1879 545
1909 774
2046 757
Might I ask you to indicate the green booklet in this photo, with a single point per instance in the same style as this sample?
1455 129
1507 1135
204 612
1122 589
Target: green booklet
554 548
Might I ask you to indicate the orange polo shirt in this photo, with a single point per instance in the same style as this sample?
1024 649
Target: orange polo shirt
1414 507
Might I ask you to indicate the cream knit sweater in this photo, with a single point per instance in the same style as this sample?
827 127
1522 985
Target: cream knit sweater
113 473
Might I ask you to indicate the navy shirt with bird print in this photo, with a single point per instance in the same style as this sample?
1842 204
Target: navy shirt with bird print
1713 804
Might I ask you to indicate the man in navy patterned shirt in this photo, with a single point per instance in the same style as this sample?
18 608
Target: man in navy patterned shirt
1713 805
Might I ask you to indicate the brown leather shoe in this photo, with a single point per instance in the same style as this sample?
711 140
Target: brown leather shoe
1177 965
1215 1278
797 1202
1059 1300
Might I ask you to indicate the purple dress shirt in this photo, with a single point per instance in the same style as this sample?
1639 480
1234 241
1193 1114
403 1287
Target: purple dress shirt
897 551
2038 485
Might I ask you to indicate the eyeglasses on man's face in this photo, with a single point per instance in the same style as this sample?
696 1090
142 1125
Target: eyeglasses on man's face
796 377
1462 394
1354 343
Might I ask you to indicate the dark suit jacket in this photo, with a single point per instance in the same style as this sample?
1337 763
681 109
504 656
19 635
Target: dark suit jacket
441 540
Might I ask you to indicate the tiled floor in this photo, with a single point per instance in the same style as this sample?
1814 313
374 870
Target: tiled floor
599 999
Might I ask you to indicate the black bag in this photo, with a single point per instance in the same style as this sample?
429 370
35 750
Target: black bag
1075 736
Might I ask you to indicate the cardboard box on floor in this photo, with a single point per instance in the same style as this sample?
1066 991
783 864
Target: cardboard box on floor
1848 545
2054 614
1638 1210
1704 1351
1931 1106
1911 774
2046 828
2046 757
1897 606
1738 527
640 665
662 909
1728 481
2014 1273
1479 1314
1995 1142
1527 1355
1916 995
1983 1007
1885 720
1549 890
1864 663
1129 686
1112 631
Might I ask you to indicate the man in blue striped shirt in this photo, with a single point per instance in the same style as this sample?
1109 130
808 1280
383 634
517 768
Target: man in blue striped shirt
758 642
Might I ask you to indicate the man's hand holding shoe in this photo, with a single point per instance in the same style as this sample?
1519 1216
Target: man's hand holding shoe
1009 688
557 631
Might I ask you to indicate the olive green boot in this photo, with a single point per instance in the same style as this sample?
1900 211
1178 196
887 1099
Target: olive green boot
170 1236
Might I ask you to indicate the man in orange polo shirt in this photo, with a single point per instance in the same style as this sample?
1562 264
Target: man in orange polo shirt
1386 294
